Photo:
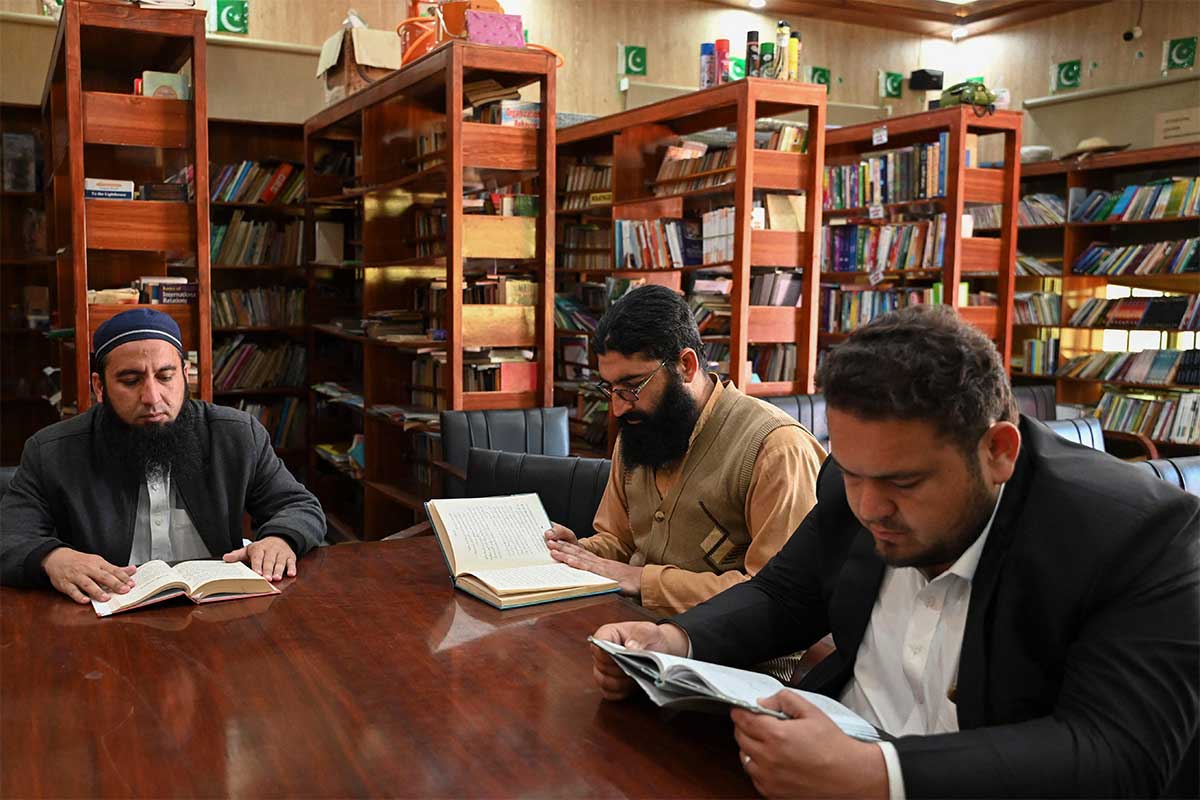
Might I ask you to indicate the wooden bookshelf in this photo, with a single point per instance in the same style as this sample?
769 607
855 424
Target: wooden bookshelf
24 234
363 170
986 261
634 143
1066 243
100 129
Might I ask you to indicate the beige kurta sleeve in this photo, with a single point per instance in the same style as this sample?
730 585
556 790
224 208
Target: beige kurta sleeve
614 536
782 491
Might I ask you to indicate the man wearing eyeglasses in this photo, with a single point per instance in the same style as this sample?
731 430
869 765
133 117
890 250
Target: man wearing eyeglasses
707 483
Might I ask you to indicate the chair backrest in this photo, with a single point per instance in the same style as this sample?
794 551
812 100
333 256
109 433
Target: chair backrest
808 410
570 487
1085 431
532 430
6 476
1182 472
1037 401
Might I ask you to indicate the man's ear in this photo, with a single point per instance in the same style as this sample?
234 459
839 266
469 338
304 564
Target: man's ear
689 362
999 447
97 387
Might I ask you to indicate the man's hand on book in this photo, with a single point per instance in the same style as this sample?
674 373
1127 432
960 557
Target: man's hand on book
807 755
561 533
270 556
84 577
628 577
613 682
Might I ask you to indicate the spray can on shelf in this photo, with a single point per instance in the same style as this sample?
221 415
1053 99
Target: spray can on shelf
783 32
722 48
752 54
793 68
708 65
766 60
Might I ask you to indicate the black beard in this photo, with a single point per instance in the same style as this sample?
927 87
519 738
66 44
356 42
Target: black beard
661 436
158 448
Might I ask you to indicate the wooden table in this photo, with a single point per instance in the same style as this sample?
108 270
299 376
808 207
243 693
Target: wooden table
368 675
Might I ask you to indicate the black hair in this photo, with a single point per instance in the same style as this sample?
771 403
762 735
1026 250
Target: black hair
651 320
921 363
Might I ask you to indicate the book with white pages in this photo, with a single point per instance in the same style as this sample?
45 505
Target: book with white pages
686 684
495 549
200 581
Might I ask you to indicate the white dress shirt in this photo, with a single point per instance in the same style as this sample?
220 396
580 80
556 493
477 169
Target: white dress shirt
162 531
906 670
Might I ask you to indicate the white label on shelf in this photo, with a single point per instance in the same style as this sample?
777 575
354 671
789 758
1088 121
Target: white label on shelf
879 135
875 212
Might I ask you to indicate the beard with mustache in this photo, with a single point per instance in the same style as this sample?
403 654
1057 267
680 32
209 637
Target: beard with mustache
660 438
155 449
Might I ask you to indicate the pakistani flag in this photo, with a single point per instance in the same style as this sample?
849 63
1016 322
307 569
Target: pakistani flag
229 16
891 84
1179 53
633 60
737 68
819 75
1066 75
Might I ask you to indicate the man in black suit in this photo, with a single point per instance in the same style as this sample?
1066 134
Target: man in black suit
1020 612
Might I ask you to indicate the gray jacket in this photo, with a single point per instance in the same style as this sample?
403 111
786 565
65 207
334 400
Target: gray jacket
67 492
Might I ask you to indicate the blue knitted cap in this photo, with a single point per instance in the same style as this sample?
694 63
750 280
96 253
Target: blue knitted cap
134 325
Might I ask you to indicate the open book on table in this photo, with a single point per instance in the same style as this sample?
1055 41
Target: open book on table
690 685
496 550
199 581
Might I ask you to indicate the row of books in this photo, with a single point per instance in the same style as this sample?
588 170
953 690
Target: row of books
1154 367
583 179
777 288
1032 266
1152 258
1040 356
1163 199
843 309
257 182
283 419
712 313
895 246
1034 209
430 140
1037 308
258 307
333 393
570 315
166 289
482 370
1177 312
656 244
348 458
586 246
770 363
694 159
717 231
895 176
788 139
243 243
238 364
1173 419
407 417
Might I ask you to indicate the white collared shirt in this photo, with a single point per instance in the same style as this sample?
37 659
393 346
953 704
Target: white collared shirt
906 670
162 532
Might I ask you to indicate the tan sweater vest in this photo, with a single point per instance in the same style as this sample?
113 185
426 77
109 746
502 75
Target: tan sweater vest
700 525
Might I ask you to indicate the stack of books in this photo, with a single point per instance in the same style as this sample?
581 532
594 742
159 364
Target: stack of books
1041 356
1155 258
1174 419
1152 367
788 139
777 288
570 315
1034 209
1036 308
891 247
167 290
245 243
771 363
682 162
407 417
897 176
238 364
712 313
717 232
1164 199
257 182
1032 266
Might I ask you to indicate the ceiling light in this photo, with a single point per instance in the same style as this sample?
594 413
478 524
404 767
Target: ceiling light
958 2
758 3
958 32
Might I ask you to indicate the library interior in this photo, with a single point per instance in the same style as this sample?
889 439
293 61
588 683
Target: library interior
833 367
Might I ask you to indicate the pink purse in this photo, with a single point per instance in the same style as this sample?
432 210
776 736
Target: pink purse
485 27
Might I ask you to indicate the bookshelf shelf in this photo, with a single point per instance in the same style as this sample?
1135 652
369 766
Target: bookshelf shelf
130 120
372 141
1116 223
266 391
291 330
862 211
1166 387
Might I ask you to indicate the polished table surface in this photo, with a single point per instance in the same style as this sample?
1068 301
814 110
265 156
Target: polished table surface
368 675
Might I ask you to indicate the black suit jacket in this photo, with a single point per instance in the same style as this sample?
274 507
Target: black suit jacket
1081 649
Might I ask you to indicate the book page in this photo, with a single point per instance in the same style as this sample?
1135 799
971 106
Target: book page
150 579
198 573
539 577
495 532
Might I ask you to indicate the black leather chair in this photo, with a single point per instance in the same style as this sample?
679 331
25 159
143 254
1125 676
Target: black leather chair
6 476
808 410
542 431
1085 431
1181 472
570 487
1037 401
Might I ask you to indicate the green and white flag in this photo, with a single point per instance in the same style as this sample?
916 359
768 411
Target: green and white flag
1179 53
819 75
228 16
1066 75
891 84
631 59
737 68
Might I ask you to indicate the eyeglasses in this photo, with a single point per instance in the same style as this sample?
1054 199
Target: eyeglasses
628 395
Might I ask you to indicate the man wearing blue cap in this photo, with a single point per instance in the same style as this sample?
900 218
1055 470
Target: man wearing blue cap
146 474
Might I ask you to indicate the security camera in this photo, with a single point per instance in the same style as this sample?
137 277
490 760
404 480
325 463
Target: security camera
1133 33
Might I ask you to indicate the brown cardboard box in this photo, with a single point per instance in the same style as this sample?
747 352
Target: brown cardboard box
354 59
